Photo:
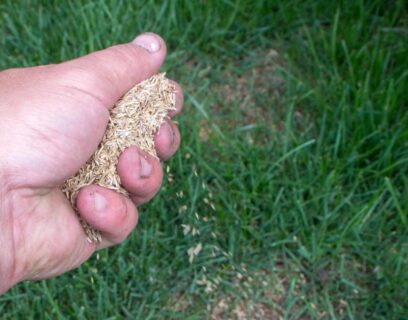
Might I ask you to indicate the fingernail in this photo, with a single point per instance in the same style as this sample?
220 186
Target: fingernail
148 42
174 99
145 167
171 132
100 202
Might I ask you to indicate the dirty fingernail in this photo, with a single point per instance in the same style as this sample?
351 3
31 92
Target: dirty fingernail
148 42
171 133
145 167
100 202
175 99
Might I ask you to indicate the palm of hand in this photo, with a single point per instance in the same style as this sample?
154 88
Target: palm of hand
57 123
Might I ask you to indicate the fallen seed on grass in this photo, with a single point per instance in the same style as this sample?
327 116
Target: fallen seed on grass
193 252
170 178
183 208
186 229
195 232
133 121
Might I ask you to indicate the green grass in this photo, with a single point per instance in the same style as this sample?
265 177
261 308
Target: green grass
304 157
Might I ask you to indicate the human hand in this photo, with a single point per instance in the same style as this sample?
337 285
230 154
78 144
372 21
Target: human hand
52 119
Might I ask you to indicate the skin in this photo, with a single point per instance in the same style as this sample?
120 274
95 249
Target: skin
52 119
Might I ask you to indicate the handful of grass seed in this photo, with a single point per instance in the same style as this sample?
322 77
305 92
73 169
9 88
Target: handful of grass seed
133 121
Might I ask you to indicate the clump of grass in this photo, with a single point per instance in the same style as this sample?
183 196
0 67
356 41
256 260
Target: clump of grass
133 120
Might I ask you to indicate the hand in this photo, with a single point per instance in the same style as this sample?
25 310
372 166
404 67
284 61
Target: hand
52 119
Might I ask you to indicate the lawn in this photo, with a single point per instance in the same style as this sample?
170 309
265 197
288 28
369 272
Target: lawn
288 198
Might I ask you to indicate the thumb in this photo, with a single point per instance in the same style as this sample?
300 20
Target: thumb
108 74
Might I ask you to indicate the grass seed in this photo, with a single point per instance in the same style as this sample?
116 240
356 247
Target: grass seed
133 121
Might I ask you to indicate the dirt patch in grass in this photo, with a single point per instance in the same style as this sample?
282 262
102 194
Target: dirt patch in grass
268 294
253 93
257 296
245 97
248 295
